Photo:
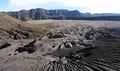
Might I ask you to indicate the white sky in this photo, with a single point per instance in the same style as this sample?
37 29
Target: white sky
93 6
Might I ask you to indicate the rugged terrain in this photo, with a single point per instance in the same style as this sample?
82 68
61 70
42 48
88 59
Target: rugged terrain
68 46
16 29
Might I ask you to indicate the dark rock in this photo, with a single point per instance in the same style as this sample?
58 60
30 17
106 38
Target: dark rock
24 49
31 44
29 48
73 43
89 35
53 46
87 54
55 35
21 49
5 45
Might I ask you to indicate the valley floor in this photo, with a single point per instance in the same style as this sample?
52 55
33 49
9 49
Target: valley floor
70 45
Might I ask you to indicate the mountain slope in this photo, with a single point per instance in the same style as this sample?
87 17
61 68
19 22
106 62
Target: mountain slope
16 29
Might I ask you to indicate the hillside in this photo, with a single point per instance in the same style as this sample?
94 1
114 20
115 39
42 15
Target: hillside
16 29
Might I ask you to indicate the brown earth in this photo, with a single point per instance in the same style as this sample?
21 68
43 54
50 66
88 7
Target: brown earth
16 29
69 46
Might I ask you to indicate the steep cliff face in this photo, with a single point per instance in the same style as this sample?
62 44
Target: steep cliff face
37 14
65 13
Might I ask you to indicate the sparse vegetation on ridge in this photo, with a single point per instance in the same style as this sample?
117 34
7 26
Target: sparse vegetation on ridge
16 29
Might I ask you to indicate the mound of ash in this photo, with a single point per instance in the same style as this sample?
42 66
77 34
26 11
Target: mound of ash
81 49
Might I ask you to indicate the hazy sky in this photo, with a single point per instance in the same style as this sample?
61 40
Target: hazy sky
93 6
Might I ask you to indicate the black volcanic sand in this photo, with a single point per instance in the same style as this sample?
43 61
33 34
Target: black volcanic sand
71 46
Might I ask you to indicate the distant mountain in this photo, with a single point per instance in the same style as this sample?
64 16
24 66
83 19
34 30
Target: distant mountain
39 13
98 14
106 14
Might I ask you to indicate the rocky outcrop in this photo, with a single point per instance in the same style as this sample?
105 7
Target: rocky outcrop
27 48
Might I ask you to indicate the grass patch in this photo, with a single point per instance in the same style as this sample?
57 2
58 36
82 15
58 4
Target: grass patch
39 21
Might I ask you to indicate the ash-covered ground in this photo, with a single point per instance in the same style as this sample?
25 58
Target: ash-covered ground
68 46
